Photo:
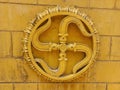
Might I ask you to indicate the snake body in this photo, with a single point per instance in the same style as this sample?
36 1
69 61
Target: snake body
79 47
35 41
83 62
63 33
45 47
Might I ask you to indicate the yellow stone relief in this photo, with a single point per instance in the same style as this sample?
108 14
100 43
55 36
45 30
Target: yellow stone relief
53 36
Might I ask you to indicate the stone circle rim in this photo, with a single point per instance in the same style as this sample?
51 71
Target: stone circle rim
27 40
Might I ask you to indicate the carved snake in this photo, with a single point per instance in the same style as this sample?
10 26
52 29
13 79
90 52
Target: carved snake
62 31
78 47
45 47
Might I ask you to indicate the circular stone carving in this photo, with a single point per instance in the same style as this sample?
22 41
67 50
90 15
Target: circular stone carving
61 43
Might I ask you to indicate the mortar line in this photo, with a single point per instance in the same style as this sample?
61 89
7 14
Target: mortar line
110 35
11 57
98 8
37 86
36 2
52 82
13 86
106 86
89 4
56 5
60 82
110 48
10 31
115 4
27 4
11 44
108 60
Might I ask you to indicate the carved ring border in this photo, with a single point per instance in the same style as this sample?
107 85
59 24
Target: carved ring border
56 11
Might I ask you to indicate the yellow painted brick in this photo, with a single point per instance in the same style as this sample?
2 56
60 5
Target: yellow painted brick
102 3
9 70
71 86
82 3
22 14
107 21
27 86
4 0
115 49
107 71
24 1
17 38
94 87
104 48
32 76
58 86
6 87
118 4
4 24
16 16
16 70
52 2
5 44
113 87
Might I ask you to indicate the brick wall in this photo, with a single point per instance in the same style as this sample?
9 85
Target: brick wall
15 74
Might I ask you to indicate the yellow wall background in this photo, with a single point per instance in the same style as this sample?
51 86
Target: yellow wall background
15 74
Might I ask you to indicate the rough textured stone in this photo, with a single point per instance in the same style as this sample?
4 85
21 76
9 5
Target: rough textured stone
107 71
4 0
117 3
102 3
115 48
17 38
82 3
5 44
4 19
24 1
16 70
6 87
51 2
107 21
104 52
16 17
71 86
28 86
113 87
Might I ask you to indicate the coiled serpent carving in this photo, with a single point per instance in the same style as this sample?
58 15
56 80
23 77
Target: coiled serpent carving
62 46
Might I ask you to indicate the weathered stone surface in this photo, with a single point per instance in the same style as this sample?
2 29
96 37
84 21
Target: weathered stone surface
115 48
102 3
105 71
6 86
107 21
118 4
113 87
27 86
16 70
71 86
5 44
104 52
15 17
24 1
17 38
